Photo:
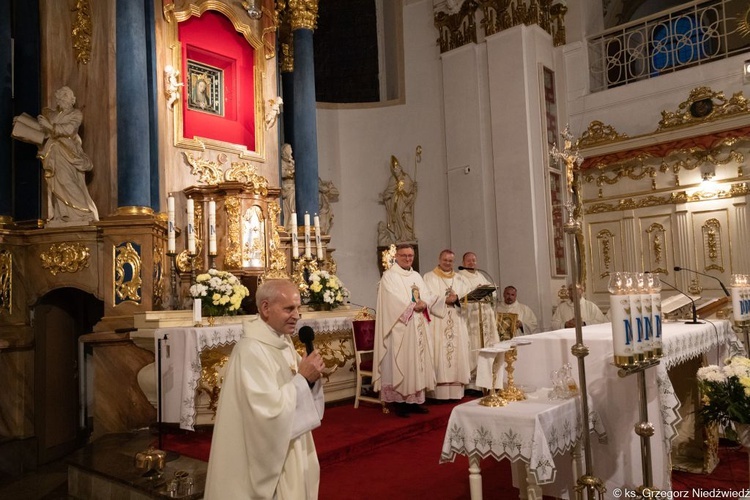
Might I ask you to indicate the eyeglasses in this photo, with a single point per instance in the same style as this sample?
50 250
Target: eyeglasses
406 255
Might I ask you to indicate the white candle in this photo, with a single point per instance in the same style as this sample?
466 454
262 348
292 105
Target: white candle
190 226
170 225
622 329
212 227
318 243
197 311
295 237
308 252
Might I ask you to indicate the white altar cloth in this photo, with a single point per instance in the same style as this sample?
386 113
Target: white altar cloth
618 463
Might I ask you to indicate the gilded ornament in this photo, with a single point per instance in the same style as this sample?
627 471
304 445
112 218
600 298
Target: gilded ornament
743 24
335 348
212 361
6 281
247 173
711 230
605 238
65 258
81 31
456 30
233 255
158 277
277 265
303 267
207 171
128 278
599 133
303 14
655 232
703 105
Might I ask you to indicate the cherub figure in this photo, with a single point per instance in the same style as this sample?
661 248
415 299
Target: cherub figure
172 85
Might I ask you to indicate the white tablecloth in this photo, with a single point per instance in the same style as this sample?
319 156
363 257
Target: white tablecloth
618 463
534 431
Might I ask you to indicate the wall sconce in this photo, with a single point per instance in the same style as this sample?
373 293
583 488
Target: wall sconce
746 72
252 9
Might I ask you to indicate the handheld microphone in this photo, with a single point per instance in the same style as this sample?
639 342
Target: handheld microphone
462 268
306 336
692 301
726 292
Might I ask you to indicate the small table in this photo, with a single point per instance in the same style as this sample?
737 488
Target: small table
531 431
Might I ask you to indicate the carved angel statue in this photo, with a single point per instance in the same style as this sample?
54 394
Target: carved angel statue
172 85
273 110
327 193
399 197
287 184
65 163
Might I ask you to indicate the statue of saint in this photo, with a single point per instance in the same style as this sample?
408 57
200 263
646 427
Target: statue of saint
327 193
399 197
287 184
65 163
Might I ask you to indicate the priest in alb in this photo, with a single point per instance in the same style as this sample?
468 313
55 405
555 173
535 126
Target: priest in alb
403 369
450 337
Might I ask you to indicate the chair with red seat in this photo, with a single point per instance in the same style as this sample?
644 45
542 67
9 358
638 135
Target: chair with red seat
364 343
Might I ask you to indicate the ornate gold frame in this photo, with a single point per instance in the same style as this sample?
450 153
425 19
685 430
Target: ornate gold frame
175 13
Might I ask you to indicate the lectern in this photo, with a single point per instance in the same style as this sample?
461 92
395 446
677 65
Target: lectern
482 293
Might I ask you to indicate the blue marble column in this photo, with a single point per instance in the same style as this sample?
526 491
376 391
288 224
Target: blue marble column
133 128
6 116
304 132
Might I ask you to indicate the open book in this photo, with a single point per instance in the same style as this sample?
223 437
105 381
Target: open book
27 129
479 293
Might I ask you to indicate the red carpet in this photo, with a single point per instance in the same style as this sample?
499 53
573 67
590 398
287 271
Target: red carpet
365 454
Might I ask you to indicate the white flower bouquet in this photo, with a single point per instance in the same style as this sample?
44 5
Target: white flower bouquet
221 293
726 392
325 290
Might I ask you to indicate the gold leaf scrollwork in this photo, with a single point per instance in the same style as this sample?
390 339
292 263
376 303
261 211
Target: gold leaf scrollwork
605 239
735 190
599 133
335 348
6 281
233 256
65 258
456 30
277 264
656 233
703 105
247 173
158 275
711 230
81 31
303 14
303 268
213 361
208 171
128 278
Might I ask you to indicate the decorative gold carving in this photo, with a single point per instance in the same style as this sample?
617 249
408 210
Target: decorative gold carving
127 273
499 15
81 31
65 258
247 173
212 361
388 257
703 105
364 314
303 14
303 268
6 281
633 172
711 230
233 256
735 190
697 158
599 133
335 348
207 171
655 232
456 30
277 265
158 277
605 239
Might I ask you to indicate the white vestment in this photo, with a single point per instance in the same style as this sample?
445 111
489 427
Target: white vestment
590 314
403 368
262 445
489 320
525 315
450 337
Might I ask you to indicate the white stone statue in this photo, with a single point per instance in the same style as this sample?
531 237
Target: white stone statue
64 161
327 193
172 85
399 197
287 184
273 110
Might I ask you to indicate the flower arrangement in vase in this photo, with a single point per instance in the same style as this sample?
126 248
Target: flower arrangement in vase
325 291
221 293
726 396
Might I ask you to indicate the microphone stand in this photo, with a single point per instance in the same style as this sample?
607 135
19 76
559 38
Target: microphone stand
726 292
695 313
479 303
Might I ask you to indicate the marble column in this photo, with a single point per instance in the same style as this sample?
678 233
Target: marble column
304 138
6 116
133 131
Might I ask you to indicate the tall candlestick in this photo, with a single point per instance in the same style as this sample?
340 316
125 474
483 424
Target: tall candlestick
318 243
295 237
308 252
190 226
197 313
212 227
170 225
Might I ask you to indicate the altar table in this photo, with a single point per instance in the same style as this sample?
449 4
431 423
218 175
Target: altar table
192 358
618 463
533 431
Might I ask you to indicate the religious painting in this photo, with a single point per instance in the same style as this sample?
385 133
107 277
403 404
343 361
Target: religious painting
507 323
205 88
559 264
550 109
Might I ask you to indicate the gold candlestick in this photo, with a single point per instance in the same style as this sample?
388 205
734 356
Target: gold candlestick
511 392
493 399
